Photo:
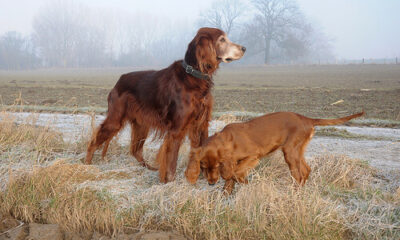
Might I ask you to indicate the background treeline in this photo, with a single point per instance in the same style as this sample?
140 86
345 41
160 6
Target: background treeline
67 34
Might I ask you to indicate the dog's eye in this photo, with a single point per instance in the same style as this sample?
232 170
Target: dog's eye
222 39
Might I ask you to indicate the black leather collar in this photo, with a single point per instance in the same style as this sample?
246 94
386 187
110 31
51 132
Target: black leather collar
195 73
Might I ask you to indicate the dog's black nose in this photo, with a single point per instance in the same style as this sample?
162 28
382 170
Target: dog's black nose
211 184
243 49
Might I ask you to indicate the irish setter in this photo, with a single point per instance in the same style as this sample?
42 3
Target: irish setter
234 151
174 101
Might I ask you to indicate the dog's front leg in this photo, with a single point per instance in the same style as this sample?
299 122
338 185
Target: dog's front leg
168 155
206 119
198 133
229 186
243 168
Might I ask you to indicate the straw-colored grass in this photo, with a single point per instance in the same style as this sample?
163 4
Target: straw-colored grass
343 199
40 143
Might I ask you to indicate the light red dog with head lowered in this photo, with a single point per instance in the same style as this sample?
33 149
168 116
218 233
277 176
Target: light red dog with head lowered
174 101
234 151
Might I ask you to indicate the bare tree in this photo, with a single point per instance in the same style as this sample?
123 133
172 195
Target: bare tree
67 38
148 40
17 52
55 28
223 14
320 47
275 19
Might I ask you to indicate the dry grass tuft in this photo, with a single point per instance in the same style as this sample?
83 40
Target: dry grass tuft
39 142
228 118
341 171
48 195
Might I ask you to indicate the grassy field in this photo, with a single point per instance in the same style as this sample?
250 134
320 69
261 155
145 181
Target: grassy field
43 180
316 91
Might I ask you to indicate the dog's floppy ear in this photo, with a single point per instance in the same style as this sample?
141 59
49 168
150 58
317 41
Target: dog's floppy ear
193 169
206 55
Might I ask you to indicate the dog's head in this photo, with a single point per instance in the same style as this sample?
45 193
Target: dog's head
209 47
210 162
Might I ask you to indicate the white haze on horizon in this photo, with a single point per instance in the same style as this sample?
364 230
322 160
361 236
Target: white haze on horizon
358 28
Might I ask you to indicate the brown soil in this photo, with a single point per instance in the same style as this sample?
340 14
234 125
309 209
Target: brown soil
11 229
7 223
312 102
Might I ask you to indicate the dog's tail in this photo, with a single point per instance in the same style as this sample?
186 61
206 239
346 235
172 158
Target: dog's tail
326 122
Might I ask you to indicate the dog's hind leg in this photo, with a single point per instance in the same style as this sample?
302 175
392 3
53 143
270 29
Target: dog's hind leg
105 148
292 158
108 129
138 137
106 145
304 168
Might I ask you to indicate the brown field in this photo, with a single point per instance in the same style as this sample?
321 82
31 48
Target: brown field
309 90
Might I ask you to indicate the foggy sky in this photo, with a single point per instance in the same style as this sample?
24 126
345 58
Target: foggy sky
358 28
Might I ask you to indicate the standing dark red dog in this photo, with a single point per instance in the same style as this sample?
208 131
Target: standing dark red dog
174 101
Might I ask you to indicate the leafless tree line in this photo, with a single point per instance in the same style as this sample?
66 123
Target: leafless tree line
17 52
274 31
66 34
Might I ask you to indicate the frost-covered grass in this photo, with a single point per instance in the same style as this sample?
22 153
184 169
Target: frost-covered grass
43 180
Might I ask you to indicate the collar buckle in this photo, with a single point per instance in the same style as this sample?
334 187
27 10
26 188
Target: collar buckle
195 73
189 69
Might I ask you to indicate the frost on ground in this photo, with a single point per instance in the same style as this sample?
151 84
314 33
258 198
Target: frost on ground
342 193
383 154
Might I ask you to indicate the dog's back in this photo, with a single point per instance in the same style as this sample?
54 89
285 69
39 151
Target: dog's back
260 135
